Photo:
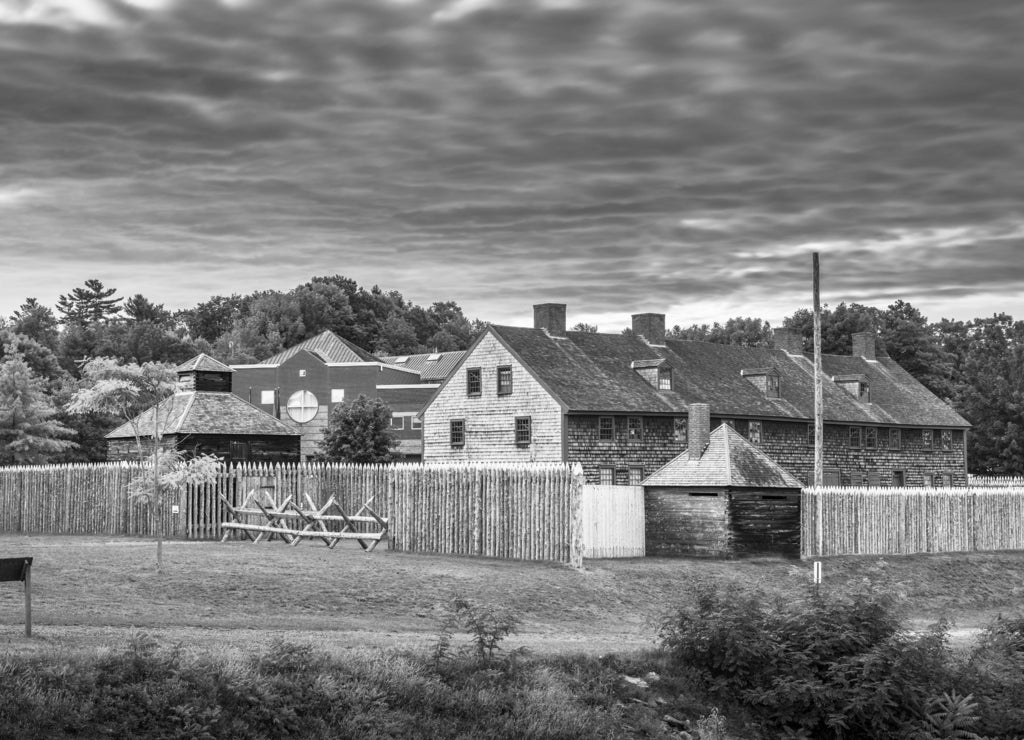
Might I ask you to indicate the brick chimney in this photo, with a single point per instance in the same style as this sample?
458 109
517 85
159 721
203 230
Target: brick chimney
788 340
550 316
864 344
650 326
698 429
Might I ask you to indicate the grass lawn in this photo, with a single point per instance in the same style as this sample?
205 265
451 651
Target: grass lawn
92 592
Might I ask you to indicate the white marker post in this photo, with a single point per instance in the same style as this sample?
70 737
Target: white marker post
817 576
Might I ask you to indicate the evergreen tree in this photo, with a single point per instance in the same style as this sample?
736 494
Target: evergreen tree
359 432
28 432
89 305
138 308
37 322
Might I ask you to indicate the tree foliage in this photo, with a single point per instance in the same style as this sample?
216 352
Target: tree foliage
29 433
359 432
89 304
743 331
125 390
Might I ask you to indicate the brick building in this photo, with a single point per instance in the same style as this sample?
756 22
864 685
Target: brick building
618 404
301 385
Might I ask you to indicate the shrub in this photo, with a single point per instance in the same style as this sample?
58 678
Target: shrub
828 666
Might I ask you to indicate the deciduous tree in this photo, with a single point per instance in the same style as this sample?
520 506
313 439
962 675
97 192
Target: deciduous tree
359 432
125 391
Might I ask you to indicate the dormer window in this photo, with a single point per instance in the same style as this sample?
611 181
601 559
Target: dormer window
657 372
765 379
434 357
855 385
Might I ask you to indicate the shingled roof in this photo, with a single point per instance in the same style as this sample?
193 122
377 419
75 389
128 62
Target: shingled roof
589 372
328 346
203 412
203 363
729 461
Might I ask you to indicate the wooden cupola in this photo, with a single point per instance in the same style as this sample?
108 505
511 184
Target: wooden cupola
203 373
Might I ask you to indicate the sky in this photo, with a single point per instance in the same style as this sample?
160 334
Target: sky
683 157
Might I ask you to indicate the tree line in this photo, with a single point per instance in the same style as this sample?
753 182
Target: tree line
976 366
44 350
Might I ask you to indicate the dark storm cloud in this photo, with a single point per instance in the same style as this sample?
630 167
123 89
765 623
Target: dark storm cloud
650 155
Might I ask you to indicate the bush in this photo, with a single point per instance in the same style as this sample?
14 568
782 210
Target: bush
829 666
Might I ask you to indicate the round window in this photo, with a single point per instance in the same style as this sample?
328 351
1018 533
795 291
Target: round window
302 406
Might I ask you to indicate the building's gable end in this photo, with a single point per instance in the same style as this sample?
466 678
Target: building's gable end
521 423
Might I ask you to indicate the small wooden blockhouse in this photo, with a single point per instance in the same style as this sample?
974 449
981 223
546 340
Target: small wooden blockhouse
723 497
205 417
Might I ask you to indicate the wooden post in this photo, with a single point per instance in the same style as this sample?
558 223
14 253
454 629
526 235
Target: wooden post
28 597
20 569
819 427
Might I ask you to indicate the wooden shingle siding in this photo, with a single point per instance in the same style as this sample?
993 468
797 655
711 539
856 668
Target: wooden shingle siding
786 444
490 418
657 446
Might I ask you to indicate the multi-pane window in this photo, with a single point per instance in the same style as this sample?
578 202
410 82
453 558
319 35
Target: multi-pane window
870 438
636 475
416 422
634 428
772 386
606 428
680 430
898 478
926 439
947 439
505 380
524 431
944 479
754 431
929 479
664 378
474 381
854 436
457 432
810 435
606 476
895 439
856 478
397 422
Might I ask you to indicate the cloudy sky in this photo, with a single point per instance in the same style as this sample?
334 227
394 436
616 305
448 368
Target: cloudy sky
677 156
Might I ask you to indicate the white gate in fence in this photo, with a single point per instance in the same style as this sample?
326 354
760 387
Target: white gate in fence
613 521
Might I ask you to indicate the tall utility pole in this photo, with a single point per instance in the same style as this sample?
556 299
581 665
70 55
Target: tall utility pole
819 429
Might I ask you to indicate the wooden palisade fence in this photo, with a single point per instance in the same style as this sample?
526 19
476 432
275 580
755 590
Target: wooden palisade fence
891 521
529 512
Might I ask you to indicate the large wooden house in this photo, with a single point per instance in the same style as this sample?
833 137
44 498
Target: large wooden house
618 404
204 417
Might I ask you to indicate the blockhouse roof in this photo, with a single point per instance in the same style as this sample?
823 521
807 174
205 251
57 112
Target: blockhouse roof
729 461
204 412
